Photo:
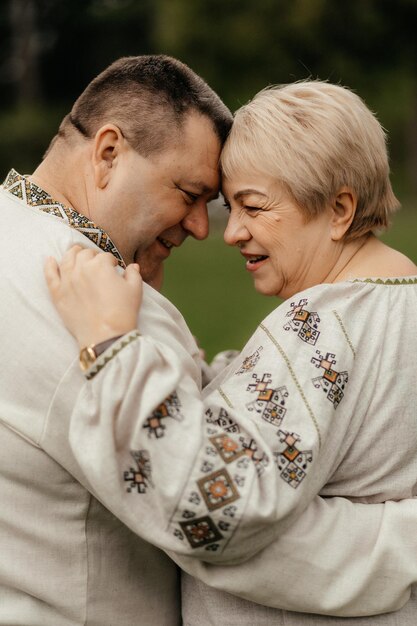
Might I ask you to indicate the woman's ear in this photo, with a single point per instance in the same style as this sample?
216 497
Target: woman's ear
106 148
343 211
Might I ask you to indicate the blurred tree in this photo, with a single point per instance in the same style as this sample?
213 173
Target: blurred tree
368 45
238 46
25 49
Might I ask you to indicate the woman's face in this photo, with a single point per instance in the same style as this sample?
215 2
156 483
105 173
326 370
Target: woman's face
284 252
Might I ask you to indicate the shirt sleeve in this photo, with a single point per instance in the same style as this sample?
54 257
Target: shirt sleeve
219 478
235 477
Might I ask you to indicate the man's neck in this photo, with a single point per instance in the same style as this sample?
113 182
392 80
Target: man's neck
57 177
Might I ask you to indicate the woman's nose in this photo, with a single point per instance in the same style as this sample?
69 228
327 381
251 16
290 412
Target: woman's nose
235 231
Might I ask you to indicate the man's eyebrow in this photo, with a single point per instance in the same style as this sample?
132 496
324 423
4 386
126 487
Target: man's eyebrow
202 189
247 192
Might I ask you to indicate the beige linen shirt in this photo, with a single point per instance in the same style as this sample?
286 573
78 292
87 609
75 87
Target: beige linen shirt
82 462
65 559
217 481
376 457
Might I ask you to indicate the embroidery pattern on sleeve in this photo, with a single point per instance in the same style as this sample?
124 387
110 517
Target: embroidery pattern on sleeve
292 462
331 382
201 532
217 489
294 378
169 408
304 323
250 362
139 479
270 402
223 420
230 450
210 508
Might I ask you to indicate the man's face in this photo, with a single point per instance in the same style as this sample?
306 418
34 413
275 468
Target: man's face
154 203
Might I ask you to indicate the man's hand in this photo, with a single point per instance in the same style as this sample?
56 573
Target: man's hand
95 301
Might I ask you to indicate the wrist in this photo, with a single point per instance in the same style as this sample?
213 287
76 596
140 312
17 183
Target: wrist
101 334
89 353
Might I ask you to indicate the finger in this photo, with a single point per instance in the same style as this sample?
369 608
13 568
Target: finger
81 265
86 254
132 275
107 259
68 258
135 267
52 275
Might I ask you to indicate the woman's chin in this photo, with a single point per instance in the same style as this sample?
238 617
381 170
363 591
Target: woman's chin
266 289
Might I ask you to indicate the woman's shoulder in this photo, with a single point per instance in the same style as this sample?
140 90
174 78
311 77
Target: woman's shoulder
357 301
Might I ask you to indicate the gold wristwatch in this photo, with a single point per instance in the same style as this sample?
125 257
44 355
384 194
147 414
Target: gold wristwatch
89 354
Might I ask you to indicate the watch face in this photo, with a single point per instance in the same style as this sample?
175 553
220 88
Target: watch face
87 358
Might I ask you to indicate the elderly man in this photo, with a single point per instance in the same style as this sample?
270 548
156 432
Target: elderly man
131 171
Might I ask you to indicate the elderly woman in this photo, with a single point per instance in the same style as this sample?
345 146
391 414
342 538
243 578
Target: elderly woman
321 400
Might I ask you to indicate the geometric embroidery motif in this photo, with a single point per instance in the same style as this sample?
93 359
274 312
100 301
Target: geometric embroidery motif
21 187
270 402
201 531
332 382
250 362
292 462
260 460
228 448
139 478
223 421
303 322
169 408
217 489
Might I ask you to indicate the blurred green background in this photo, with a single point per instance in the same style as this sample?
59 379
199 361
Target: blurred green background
50 50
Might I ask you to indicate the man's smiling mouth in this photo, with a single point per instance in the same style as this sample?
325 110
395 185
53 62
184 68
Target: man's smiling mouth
167 244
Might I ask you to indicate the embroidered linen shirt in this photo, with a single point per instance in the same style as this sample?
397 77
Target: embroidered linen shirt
66 560
21 187
373 460
293 417
62 498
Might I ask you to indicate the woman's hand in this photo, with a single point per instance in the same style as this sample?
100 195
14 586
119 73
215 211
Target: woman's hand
93 299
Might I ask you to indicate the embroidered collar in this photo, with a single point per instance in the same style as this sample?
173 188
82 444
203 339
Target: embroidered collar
405 280
21 187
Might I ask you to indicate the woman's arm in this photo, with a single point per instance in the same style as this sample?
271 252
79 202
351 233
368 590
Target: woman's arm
220 481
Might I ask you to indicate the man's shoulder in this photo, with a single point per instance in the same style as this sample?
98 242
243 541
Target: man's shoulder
15 210
31 229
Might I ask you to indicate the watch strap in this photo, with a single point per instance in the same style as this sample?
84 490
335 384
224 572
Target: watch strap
89 354
101 347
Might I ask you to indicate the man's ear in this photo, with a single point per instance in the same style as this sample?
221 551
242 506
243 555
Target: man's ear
343 211
107 146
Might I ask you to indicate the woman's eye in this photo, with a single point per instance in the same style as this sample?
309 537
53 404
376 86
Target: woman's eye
226 206
251 208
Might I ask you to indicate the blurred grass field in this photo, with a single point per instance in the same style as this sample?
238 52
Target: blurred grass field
208 282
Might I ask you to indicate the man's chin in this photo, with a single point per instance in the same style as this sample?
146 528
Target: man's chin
151 274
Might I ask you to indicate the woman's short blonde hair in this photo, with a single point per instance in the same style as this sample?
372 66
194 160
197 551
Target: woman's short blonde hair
315 138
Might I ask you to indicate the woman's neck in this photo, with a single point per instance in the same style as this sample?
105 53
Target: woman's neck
370 257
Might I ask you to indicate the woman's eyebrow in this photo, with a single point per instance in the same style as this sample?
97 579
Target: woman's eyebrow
246 192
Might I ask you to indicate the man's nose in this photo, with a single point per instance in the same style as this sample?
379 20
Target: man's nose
235 231
196 223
